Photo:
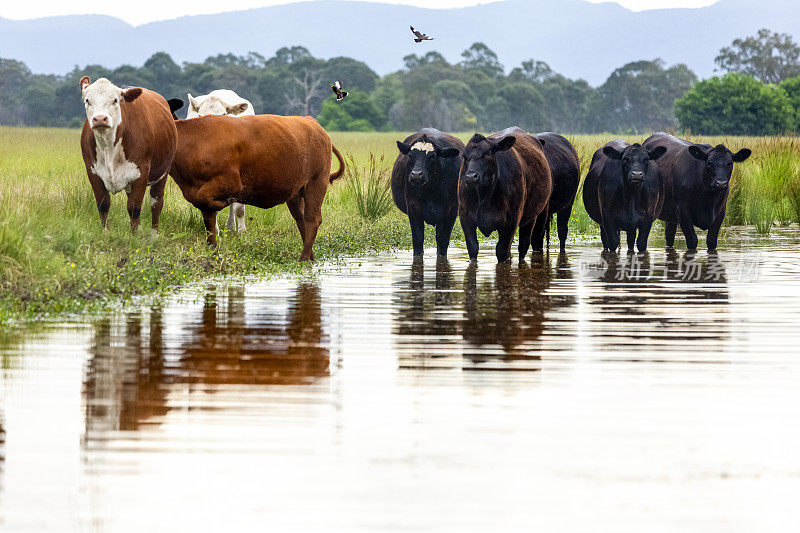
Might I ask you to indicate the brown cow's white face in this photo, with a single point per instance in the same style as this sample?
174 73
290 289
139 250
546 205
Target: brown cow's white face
102 100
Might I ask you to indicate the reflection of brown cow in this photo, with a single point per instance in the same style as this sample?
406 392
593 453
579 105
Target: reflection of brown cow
133 369
260 160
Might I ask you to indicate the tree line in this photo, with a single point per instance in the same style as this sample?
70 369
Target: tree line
760 94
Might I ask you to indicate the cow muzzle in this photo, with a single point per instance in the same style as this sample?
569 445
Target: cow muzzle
471 177
636 176
101 121
415 177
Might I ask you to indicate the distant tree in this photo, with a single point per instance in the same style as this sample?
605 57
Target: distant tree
791 87
517 104
735 104
165 74
639 96
354 74
355 113
533 71
769 57
481 57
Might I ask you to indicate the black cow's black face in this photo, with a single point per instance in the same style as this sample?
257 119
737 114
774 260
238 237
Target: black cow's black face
479 167
426 161
635 161
719 165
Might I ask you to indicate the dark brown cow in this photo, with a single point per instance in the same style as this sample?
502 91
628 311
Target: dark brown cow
128 142
259 160
505 183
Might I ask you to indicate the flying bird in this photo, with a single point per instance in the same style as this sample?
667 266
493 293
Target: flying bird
420 36
337 90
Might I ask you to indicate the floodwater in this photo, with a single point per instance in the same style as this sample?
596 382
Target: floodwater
573 393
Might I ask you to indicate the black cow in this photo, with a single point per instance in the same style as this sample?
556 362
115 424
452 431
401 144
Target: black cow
624 191
696 178
504 183
425 183
174 105
565 168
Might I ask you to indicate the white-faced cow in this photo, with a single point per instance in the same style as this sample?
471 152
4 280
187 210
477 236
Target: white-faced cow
128 143
223 102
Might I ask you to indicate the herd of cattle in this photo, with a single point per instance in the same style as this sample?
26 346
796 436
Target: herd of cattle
223 154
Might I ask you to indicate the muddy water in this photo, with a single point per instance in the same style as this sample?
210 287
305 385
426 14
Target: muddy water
575 392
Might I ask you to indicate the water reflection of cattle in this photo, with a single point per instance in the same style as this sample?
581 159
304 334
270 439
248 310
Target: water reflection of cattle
425 184
134 369
504 184
686 297
427 325
697 178
504 320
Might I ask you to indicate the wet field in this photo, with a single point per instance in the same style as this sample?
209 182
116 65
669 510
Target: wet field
656 392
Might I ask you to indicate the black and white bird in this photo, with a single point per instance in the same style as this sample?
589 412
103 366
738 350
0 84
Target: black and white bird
419 36
337 90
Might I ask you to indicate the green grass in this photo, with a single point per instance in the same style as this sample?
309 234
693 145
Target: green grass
54 256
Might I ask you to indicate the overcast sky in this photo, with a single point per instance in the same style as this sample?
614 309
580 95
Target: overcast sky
143 11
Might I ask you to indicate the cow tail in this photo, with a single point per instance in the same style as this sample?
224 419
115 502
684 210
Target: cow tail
338 174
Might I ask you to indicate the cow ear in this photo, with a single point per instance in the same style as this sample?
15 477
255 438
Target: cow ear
504 144
698 153
193 102
449 152
403 147
657 152
541 141
85 82
131 94
237 109
741 155
612 152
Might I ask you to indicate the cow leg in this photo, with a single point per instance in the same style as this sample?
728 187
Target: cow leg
562 221
525 234
644 234
505 237
470 237
631 233
135 199
235 218
212 229
313 196
417 233
713 232
603 237
612 237
670 229
443 231
539 229
239 210
295 205
688 231
157 201
102 198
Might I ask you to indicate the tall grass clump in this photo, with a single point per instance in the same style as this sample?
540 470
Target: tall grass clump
368 187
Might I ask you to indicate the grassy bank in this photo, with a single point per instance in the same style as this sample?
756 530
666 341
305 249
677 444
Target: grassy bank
54 257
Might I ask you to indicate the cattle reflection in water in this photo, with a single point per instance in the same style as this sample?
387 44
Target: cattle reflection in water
137 367
645 300
482 323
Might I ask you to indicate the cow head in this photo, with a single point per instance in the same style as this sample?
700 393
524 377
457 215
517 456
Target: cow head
718 164
426 160
212 105
479 167
635 161
103 102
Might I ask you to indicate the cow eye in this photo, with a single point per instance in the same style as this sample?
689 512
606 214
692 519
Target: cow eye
115 100
87 101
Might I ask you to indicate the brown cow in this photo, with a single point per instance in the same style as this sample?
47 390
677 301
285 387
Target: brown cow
259 160
128 142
